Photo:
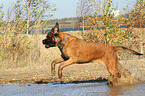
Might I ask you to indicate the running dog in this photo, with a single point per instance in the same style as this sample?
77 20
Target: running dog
75 50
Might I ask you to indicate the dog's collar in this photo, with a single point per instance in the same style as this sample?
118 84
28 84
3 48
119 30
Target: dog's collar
65 38
61 43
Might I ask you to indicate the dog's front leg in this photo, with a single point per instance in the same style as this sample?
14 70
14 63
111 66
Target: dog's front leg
64 64
59 59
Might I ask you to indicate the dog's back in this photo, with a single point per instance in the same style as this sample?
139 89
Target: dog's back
84 51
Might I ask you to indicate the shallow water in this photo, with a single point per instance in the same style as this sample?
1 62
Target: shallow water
71 89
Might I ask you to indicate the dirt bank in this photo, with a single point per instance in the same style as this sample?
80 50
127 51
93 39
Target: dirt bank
71 73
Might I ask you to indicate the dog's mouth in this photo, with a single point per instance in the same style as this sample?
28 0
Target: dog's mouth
45 43
47 46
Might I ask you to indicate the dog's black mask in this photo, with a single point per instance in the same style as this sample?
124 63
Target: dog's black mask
49 42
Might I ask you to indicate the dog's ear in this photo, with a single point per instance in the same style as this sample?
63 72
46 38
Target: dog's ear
56 29
57 25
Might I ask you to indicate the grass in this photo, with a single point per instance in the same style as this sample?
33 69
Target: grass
26 50
24 58
20 50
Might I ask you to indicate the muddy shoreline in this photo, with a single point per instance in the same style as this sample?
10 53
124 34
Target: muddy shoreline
75 73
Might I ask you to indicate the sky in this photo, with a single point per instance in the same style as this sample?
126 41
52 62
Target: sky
67 8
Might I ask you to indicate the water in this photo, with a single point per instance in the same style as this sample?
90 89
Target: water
72 89
67 29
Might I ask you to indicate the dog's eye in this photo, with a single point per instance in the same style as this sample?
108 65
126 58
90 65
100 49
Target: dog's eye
49 38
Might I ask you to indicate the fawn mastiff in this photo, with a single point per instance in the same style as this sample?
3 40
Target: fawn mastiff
75 50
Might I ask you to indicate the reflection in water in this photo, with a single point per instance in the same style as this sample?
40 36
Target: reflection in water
72 89
119 90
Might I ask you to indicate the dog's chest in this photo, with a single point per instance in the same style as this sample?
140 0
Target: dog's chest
64 53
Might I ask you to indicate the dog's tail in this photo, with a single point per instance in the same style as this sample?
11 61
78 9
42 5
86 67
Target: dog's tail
116 48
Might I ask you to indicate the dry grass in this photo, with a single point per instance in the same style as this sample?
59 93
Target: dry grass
29 52
20 50
29 60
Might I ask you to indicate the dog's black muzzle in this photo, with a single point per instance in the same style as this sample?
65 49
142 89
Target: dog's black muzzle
48 43
44 41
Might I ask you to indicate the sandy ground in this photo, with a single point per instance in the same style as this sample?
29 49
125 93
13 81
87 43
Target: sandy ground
88 71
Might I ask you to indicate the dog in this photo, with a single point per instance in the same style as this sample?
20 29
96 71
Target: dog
75 50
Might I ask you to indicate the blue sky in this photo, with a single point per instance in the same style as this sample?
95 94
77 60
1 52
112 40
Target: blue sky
67 8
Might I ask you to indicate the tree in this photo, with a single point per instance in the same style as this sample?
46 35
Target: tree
99 17
33 10
84 8
1 14
135 19
138 15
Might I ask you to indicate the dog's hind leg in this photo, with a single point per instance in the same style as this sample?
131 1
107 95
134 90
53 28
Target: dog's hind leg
58 60
112 67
